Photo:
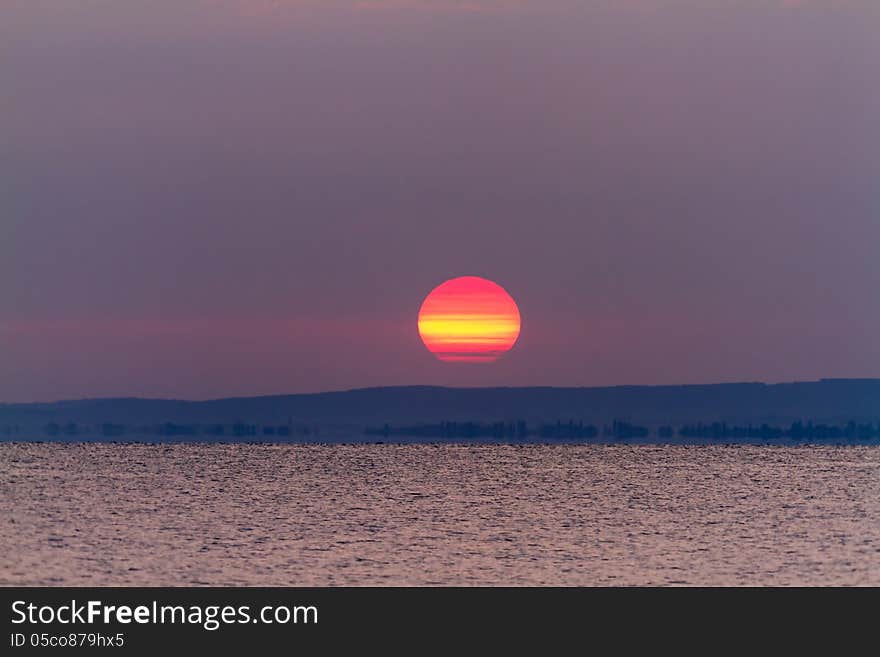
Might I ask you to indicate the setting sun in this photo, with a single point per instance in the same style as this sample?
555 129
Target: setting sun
469 319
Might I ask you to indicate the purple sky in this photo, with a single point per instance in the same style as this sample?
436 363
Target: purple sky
235 197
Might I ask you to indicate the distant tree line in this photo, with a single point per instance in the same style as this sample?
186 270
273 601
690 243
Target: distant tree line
796 431
501 430
510 429
172 429
621 430
454 430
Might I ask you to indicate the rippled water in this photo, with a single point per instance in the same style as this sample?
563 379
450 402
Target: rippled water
103 514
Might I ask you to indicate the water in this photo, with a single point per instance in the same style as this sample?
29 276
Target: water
103 514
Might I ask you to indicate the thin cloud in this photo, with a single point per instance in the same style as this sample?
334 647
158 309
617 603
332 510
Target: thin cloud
439 5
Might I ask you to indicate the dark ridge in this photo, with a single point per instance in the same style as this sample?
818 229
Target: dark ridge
827 400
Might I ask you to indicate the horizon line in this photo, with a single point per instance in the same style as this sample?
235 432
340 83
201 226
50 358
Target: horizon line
441 387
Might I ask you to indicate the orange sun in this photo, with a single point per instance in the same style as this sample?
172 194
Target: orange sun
469 320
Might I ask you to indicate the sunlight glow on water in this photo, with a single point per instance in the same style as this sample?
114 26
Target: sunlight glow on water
103 514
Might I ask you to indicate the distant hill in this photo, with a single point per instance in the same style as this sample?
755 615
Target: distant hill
827 400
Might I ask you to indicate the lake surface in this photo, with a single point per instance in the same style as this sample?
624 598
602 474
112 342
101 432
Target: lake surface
202 514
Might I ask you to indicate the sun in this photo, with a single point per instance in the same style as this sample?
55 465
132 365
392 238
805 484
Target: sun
469 320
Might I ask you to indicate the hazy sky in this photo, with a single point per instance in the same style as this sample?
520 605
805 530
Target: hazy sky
235 197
